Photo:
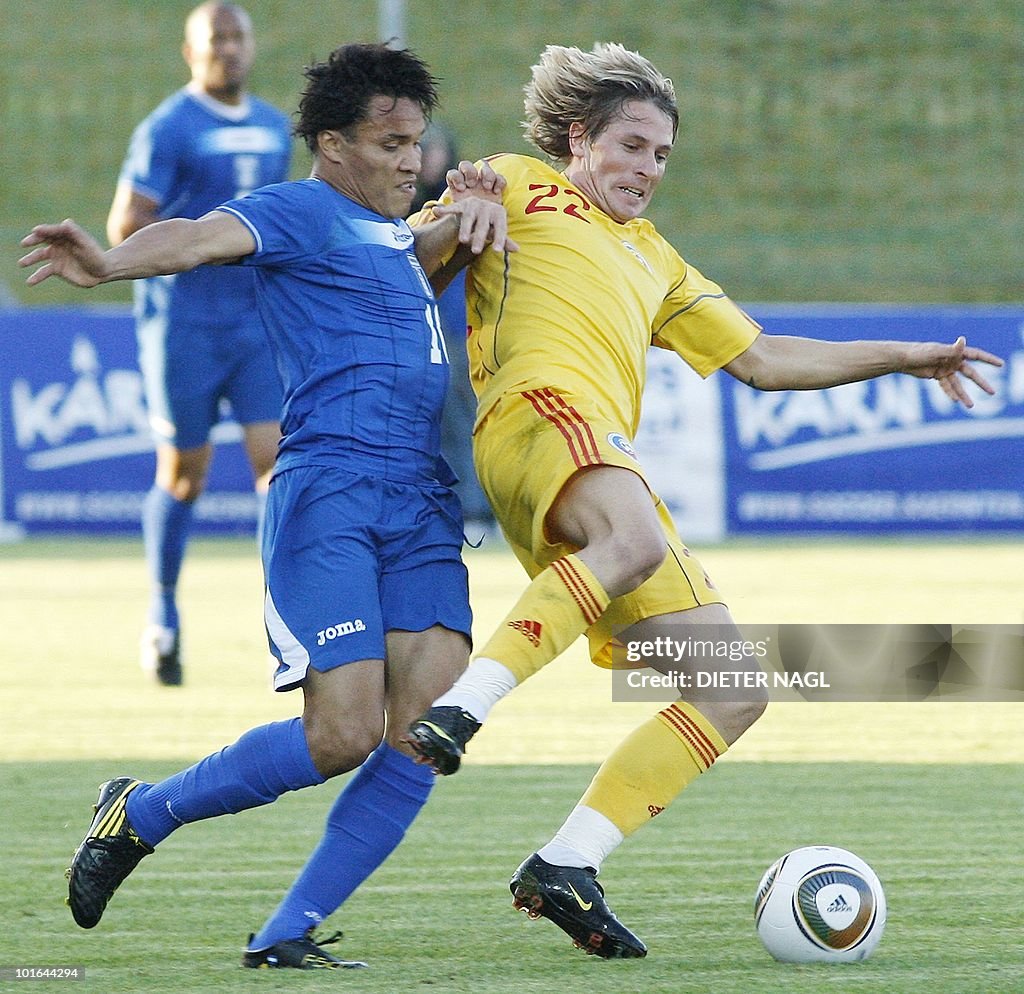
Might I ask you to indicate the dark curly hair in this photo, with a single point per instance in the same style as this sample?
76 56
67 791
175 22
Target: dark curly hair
339 91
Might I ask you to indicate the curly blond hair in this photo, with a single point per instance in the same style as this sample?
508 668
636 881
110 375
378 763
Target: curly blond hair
570 86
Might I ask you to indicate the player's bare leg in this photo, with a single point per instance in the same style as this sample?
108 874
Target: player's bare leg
605 511
167 517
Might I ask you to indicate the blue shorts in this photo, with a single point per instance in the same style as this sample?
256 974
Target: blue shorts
189 370
347 558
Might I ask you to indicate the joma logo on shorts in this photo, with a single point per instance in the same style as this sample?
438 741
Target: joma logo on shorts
336 631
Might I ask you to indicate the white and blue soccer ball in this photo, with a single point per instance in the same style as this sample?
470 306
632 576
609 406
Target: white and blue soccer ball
820 904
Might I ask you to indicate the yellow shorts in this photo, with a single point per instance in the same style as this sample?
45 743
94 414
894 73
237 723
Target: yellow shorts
526 448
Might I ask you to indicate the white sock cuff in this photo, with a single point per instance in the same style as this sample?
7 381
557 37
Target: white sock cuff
485 682
586 838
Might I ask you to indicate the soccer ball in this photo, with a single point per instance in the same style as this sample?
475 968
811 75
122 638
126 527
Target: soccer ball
820 904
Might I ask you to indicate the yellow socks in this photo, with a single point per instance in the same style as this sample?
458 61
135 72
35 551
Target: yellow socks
652 766
560 603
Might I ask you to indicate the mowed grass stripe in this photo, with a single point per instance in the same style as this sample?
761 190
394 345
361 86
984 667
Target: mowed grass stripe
946 841
71 613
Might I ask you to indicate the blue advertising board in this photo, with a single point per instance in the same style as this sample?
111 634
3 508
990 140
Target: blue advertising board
76 453
892 455
887 455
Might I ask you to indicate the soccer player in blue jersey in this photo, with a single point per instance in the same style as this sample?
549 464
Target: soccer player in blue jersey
199 338
366 594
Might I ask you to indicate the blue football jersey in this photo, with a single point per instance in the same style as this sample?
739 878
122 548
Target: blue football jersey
190 155
355 330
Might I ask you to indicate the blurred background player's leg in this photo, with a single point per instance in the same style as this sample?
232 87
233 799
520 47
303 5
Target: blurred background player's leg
261 440
166 520
459 413
440 153
186 401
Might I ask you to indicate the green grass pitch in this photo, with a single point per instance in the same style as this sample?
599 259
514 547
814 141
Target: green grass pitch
930 794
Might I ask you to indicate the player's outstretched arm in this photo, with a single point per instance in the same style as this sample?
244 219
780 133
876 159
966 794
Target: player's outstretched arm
782 362
67 251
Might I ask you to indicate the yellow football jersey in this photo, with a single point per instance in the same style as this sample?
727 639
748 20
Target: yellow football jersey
585 297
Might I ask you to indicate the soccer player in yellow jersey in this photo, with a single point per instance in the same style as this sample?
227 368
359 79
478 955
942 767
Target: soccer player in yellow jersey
558 336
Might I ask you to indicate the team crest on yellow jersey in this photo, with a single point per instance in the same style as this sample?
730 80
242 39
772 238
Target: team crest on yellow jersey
622 443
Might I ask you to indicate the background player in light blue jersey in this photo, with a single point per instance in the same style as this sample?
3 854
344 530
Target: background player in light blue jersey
367 605
199 340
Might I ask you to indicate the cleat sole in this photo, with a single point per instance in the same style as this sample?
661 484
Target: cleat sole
433 753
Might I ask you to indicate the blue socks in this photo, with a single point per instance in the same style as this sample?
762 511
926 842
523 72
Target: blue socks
165 527
365 824
263 764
